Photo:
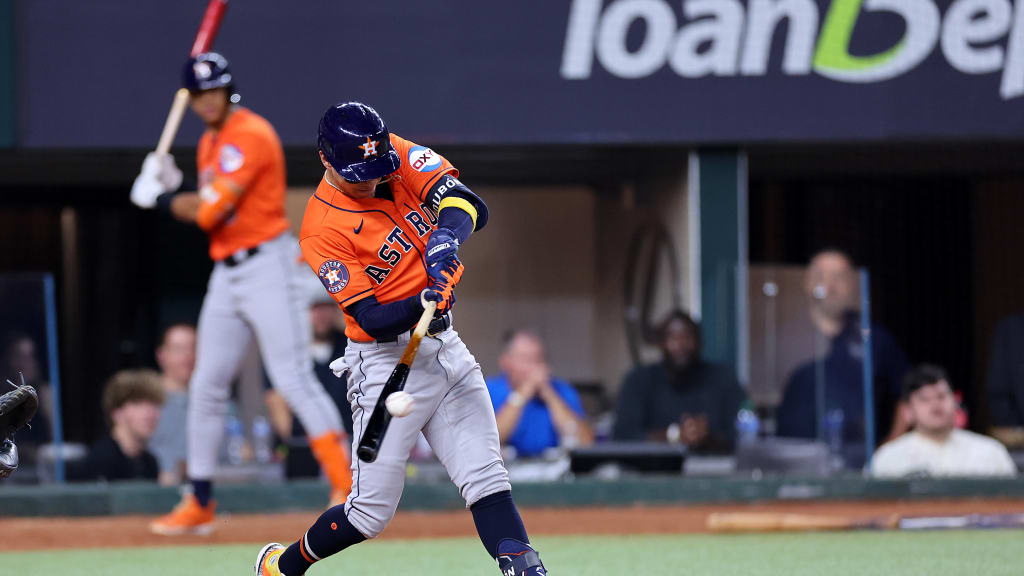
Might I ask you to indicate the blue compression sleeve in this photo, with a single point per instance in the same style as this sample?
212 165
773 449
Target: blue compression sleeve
458 221
386 320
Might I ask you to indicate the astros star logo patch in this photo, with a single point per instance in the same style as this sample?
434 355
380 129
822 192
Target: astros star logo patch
333 275
369 148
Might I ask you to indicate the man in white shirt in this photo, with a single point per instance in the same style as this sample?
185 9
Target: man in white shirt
935 447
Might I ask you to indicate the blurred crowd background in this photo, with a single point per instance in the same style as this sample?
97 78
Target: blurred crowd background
723 239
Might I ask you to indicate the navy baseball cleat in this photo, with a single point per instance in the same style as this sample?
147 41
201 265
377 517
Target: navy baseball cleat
516 558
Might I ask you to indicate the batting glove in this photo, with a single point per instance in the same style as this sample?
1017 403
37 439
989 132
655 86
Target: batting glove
339 367
441 249
170 175
159 175
449 277
429 295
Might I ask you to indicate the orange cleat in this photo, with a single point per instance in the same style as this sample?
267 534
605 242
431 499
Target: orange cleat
188 517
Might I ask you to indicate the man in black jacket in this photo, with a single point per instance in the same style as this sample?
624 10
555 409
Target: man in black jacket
681 399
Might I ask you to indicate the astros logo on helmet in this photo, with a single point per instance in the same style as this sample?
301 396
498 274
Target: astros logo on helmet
369 148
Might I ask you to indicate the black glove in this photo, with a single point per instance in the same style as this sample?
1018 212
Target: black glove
17 407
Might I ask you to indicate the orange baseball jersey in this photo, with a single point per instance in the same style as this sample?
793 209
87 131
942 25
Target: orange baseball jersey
375 246
241 184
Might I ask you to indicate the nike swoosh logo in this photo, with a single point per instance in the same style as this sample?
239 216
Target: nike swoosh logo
359 228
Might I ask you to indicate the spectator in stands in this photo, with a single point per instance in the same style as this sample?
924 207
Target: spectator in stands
935 447
21 360
328 343
830 287
535 411
131 406
681 399
1006 382
176 357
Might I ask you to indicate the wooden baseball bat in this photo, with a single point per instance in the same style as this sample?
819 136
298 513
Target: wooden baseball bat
779 522
204 40
373 435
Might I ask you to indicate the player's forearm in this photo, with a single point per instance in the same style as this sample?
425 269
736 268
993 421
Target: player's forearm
183 206
386 320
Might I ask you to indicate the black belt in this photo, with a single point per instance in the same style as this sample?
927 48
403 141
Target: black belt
235 259
437 325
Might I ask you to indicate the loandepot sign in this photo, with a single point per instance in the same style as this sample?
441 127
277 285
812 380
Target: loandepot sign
728 38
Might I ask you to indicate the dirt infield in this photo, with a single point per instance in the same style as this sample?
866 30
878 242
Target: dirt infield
55 533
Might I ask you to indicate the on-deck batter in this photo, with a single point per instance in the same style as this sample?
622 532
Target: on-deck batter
254 291
382 232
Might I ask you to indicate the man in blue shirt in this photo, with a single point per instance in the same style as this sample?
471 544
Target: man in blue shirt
534 411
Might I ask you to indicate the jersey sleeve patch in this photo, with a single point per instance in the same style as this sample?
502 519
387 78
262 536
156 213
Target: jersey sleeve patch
423 159
231 158
333 275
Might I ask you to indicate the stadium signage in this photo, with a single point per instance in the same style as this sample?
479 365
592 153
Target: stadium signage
726 38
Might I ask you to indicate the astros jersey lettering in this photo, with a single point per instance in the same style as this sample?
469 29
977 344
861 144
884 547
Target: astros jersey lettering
375 246
241 183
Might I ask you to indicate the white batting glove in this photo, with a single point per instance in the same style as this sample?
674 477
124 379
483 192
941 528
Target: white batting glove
145 190
170 175
338 367
159 174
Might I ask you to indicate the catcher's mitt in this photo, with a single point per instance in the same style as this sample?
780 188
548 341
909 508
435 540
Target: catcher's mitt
17 407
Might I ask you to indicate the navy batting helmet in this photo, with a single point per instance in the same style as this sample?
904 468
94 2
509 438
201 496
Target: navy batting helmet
356 142
208 71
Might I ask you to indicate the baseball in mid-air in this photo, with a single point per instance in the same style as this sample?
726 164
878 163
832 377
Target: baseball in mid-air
399 403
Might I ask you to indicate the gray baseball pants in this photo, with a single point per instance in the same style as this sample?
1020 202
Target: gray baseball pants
262 298
452 409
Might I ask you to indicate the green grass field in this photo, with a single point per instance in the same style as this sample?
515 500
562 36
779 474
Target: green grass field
862 554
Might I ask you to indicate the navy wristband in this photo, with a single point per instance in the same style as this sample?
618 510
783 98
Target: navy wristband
163 202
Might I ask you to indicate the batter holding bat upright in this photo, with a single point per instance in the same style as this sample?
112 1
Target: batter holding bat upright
254 291
382 232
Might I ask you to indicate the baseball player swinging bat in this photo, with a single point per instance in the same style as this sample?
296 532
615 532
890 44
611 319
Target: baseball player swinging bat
382 232
777 522
204 40
369 445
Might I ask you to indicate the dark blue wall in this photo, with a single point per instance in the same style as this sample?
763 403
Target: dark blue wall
102 73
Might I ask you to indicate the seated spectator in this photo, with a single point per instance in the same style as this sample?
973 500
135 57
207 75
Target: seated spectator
935 447
681 399
830 287
1006 381
328 343
131 406
176 357
534 410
